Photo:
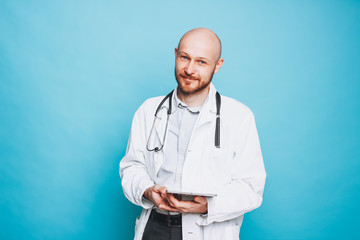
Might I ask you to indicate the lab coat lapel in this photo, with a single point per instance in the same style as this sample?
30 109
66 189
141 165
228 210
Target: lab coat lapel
208 111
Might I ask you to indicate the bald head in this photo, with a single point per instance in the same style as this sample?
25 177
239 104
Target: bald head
204 39
197 59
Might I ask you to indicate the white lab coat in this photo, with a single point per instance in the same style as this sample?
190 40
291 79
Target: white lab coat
235 171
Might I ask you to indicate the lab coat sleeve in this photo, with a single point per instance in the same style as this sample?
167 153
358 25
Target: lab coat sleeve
133 171
244 192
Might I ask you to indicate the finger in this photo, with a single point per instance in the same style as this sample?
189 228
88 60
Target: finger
200 199
162 203
166 207
164 197
161 198
155 196
167 195
172 200
158 188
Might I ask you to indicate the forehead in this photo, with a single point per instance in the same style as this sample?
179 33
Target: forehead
199 46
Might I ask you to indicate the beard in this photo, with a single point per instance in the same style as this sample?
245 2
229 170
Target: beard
182 86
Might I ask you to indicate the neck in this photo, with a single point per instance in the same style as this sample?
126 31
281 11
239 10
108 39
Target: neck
193 99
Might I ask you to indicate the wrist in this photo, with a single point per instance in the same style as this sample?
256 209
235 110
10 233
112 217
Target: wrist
146 194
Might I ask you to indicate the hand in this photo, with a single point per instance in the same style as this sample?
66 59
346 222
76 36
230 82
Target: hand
198 205
157 194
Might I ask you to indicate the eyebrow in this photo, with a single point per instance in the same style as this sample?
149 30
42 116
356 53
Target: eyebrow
204 58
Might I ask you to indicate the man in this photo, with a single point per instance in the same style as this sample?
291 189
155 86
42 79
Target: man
196 142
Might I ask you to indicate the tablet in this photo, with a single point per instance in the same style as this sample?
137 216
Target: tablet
191 193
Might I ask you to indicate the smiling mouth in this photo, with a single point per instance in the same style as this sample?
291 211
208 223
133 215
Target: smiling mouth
188 79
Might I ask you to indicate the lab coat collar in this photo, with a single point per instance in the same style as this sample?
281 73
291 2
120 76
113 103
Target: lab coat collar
177 103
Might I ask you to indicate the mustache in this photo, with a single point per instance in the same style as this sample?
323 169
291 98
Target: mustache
188 77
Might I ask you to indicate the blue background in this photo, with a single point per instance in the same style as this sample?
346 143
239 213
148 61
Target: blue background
72 74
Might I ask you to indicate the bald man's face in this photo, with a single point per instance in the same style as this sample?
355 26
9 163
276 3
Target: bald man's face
197 59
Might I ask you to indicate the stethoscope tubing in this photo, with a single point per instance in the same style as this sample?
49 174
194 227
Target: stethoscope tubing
169 96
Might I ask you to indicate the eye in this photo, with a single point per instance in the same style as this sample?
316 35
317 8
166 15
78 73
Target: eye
202 62
184 57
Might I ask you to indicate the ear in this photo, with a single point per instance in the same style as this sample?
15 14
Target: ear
176 51
218 65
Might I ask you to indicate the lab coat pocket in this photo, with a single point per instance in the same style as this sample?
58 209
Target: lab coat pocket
217 167
222 230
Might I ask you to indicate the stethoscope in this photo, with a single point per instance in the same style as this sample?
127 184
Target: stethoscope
169 96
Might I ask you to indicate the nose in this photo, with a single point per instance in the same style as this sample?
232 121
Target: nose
190 68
